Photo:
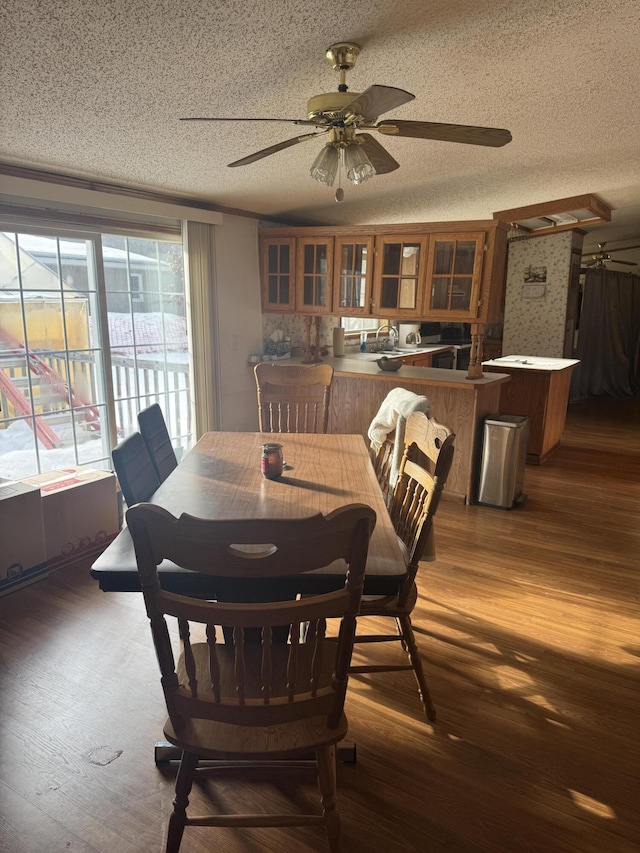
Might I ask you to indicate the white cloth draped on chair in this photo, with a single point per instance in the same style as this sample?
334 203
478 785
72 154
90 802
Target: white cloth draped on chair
392 417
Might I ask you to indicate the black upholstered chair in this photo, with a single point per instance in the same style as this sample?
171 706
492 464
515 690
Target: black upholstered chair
156 436
134 468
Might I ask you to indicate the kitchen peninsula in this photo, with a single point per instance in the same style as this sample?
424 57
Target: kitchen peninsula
539 389
359 387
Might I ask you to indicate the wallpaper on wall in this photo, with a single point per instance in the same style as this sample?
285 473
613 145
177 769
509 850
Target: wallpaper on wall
538 275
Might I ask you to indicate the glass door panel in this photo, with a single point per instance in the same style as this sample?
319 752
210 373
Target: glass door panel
277 258
52 388
352 275
454 274
148 340
315 259
400 280
58 405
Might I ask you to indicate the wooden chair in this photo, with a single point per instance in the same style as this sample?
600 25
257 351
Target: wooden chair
425 465
386 433
293 398
382 459
260 701
134 468
156 436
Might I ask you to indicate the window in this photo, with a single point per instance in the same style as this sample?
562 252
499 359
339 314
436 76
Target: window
73 374
361 324
135 283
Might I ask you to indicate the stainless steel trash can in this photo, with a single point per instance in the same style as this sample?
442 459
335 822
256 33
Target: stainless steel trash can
504 454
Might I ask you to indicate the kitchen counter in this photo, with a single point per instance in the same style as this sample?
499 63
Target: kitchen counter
539 389
364 364
359 387
531 362
397 353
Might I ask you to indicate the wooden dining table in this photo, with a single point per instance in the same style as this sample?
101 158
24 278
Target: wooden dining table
221 478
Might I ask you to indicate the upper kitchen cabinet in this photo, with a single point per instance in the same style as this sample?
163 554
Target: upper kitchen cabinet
278 264
399 276
454 276
352 276
314 274
442 271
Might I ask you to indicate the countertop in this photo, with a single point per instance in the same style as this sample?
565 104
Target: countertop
396 353
531 362
358 365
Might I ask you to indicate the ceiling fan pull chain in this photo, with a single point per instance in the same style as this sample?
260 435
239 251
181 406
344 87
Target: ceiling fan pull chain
339 196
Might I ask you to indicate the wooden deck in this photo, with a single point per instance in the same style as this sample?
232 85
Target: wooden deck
528 622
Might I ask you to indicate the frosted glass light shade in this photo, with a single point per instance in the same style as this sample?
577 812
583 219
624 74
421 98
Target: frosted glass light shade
325 166
359 167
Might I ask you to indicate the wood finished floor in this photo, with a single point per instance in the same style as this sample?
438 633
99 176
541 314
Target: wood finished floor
528 622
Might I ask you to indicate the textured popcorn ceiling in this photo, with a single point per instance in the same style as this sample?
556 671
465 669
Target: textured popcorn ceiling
96 89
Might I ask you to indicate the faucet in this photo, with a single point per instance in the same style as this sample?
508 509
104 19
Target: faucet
393 334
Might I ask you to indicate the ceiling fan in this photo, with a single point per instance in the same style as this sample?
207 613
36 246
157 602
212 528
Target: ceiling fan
340 117
601 258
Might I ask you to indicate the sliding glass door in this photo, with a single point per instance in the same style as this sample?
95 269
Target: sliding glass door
92 329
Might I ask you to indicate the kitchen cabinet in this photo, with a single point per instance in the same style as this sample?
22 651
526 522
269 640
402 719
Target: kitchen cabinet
314 275
422 359
491 348
426 359
352 276
454 276
277 273
441 271
399 274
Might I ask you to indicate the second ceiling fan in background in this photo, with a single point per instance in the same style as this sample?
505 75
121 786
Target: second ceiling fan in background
601 258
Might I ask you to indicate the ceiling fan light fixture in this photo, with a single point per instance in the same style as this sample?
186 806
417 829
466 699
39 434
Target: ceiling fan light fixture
358 166
325 166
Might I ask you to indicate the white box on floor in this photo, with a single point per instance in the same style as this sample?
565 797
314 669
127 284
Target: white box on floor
80 512
23 557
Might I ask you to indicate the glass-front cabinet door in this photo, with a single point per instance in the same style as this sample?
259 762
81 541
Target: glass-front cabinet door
352 276
314 275
277 255
454 273
399 280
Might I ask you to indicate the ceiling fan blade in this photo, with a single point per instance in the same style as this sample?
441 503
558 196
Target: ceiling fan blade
626 263
287 120
272 149
376 100
380 158
590 263
493 136
624 248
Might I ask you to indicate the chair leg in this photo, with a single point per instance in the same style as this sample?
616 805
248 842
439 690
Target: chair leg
326 758
409 641
178 818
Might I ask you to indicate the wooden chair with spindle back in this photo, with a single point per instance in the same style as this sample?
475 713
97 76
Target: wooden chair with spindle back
425 465
382 459
386 434
293 397
253 701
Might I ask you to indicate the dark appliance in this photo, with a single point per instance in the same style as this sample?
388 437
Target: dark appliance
463 354
460 333
443 360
